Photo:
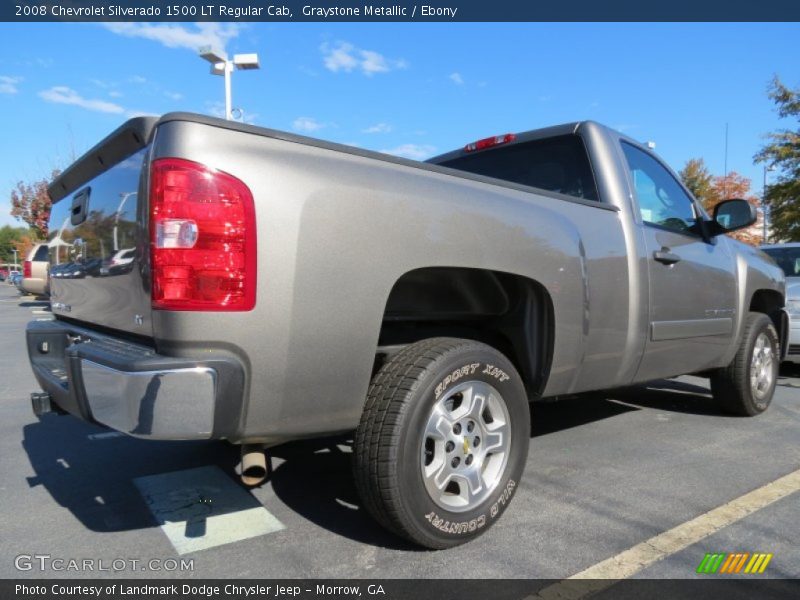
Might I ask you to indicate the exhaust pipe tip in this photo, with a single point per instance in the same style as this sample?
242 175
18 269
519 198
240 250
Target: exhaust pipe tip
254 464
41 404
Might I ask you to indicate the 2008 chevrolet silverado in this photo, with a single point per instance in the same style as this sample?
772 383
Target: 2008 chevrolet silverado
217 280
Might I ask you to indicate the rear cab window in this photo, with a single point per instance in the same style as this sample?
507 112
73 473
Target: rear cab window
557 164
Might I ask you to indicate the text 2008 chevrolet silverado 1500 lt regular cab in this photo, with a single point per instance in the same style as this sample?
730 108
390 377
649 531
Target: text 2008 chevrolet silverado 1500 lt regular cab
281 287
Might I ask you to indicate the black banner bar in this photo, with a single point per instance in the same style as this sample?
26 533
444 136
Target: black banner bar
401 10
741 588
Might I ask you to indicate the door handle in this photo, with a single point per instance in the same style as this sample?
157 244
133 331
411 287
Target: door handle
666 257
80 203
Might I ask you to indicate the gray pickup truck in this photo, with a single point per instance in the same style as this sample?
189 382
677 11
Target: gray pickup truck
213 280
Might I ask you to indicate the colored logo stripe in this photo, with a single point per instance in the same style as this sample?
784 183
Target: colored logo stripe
710 563
733 563
758 563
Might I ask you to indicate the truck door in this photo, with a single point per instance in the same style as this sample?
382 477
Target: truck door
692 281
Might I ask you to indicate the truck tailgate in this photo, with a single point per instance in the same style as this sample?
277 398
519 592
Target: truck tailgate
98 237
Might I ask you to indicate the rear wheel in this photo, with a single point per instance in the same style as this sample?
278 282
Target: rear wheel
442 442
746 386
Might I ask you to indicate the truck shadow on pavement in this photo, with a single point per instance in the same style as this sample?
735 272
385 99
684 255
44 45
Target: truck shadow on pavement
669 395
314 479
581 409
30 302
331 501
789 375
93 477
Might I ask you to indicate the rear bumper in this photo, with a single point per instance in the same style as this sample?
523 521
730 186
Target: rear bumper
129 387
34 285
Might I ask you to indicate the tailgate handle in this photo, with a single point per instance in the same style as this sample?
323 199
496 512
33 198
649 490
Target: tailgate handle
80 206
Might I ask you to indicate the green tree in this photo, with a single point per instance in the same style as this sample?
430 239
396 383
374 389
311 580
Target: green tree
696 176
782 153
10 238
30 203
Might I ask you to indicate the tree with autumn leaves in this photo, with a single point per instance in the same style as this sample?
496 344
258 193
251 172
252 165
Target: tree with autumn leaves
30 203
781 154
710 190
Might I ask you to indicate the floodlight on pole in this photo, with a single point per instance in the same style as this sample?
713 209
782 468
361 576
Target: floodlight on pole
222 65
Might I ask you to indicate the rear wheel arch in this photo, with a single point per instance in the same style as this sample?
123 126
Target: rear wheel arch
510 312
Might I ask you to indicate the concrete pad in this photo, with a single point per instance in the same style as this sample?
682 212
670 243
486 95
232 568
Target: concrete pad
203 508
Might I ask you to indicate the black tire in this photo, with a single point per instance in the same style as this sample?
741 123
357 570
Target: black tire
731 386
389 450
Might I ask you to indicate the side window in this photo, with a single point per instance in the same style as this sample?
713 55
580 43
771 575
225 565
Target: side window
41 254
661 199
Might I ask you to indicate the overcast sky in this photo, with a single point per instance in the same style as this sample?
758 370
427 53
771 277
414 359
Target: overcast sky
409 89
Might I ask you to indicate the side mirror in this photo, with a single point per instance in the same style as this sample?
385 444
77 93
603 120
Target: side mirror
730 215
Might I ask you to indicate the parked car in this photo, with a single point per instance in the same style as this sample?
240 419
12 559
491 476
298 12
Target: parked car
285 288
788 258
121 262
57 270
35 271
15 279
18 281
11 275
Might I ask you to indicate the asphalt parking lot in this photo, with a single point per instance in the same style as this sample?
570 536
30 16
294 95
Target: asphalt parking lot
605 472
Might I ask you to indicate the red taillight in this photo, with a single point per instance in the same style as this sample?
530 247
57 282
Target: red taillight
490 142
202 238
26 269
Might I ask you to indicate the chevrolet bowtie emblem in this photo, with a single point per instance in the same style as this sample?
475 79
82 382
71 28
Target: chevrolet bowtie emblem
466 446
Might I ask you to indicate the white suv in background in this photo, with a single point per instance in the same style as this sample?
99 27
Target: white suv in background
788 258
35 271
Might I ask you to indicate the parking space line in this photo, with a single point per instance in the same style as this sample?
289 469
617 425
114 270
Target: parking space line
202 508
626 564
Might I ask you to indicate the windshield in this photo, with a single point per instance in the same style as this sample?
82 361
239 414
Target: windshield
788 259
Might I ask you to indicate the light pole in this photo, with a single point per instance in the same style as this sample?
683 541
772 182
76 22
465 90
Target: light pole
124 198
222 65
764 220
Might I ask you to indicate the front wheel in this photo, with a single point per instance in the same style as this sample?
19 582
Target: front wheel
442 442
746 386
